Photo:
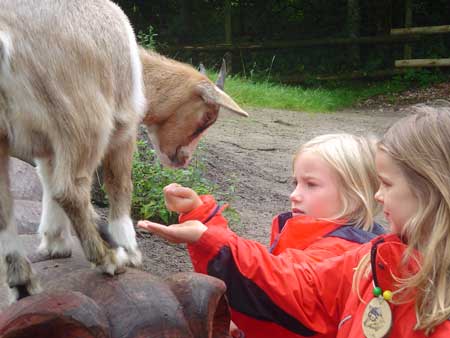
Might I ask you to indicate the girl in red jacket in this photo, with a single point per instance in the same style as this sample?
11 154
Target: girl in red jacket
332 209
396 286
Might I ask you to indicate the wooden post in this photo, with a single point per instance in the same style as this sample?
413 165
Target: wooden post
353 27
407 50
228 28
229 57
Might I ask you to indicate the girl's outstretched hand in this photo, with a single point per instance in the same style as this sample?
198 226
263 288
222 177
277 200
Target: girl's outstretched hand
188 232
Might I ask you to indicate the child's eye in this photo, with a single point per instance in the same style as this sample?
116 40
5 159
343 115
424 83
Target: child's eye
294 182
311 184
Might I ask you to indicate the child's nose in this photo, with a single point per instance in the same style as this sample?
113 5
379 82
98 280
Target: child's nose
296 195
379 196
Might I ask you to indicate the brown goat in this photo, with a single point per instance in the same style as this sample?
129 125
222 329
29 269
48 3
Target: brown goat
72 83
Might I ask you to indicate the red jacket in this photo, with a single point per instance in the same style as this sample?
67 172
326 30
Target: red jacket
311 298
318 240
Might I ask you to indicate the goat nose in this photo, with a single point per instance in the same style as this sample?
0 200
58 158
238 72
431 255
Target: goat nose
179 159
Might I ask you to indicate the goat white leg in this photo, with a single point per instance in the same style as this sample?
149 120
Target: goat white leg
70 187
54 229
117 179
15 268
123 232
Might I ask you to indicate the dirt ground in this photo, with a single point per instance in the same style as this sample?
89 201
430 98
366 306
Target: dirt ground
253 155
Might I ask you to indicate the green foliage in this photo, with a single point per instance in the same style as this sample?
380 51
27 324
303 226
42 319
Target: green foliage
149 179
420 77
147 39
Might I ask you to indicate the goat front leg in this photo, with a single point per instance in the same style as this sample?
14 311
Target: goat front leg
54 229
117 179
72 193
15 269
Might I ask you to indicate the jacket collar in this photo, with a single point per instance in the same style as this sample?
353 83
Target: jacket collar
390 264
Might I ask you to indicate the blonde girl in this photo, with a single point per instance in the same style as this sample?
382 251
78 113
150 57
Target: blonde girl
416 202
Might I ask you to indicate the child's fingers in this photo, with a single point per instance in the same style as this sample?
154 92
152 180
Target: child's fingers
151 226
171 185
179 191
188 232
142 224
158 229
168 232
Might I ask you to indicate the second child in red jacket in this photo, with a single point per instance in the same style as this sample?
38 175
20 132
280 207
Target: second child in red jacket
332 209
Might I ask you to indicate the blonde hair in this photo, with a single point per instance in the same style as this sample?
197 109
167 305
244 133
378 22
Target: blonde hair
352 158
420 146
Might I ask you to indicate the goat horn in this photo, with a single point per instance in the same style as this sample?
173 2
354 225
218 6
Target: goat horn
202 69
222 74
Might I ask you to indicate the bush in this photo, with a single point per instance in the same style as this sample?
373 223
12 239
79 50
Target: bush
149 179
421 77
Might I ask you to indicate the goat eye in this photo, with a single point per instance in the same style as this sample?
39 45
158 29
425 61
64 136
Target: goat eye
210 116
207 117
198 131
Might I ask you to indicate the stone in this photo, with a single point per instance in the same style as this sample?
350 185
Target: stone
25 183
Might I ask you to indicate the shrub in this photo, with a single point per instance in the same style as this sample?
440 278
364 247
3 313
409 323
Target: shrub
150 177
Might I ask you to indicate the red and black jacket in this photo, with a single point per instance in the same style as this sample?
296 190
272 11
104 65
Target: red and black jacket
303 297
315 240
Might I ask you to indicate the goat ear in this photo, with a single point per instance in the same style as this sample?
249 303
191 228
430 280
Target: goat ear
212 95
222 74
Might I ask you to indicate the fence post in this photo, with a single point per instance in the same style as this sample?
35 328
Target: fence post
407 50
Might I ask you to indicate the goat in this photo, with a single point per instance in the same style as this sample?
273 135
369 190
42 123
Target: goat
73 89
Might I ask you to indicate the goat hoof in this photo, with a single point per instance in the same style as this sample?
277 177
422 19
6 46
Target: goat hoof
115 261
55 248
20 277
134 258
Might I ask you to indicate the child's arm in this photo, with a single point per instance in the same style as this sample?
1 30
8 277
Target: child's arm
302 297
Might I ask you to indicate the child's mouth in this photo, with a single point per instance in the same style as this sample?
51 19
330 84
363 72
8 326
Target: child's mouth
297 211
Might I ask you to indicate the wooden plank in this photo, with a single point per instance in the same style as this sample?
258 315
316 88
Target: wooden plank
421 30
377 74
423 63
382 39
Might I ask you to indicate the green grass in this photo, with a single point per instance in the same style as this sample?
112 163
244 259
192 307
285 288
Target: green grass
322 96
249 93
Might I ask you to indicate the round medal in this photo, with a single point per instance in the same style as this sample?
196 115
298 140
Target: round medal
377 318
